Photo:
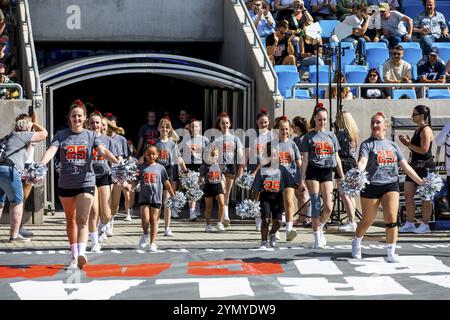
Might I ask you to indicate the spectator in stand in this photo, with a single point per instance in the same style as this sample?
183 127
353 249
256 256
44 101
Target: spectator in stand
346 93
353 29
323 9
447 71
345 7
397 70
393 4
262 18
8 59
373 31
431 69
431 27
284 8
184 117
373 76
297 21
148 131
392 26
279 45
6 93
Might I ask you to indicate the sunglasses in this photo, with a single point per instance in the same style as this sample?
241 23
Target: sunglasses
376 122
373 75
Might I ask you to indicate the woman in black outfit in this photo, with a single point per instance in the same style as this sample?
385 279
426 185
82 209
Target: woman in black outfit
373 76
421 160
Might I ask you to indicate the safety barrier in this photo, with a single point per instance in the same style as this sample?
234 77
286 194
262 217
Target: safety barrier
7 86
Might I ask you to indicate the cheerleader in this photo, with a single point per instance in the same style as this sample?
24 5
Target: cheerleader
320 156
381 158
347 133
301 128
153 180
422 162
123 152
212 177
257 150
77 178
101 207
231 155
289 157
192 151
169 157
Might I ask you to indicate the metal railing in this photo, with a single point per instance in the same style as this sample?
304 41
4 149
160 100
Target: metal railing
257 43
9 86
358 86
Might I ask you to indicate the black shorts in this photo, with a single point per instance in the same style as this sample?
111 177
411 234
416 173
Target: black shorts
271 205
212 190
68 193
422 171
104 180
193 167
377 191
152 205
230 169
172 172
347 164
319 174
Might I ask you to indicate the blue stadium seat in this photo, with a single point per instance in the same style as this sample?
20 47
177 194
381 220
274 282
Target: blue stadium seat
343 45
370 45
285 82
413 9
302 94
347 59
376 56
349 68
355 74
285 68
397 93
412 52
438 94
444 50
323 78
414 71
328 27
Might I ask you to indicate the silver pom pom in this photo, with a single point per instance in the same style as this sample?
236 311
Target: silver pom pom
248 209
189 181
34 173
58 166
433 184
194 195
124 171
355 181
177 202
245 181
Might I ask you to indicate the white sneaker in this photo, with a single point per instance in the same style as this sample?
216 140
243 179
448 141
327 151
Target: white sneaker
348 227
96 248
143 242
208 228
407 227
283 218
291 235
128 218
220 227
24 232
82 262
102 236
323 240
19 238
73 263
393 258
226 222
192 216
153 248
109 232
168 233
264 245
356 250
277 235
423 228
318 244
174 215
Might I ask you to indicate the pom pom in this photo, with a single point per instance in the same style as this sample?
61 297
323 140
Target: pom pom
58 166
34 173
433 184
248 209
264 111
283 118
245 181
124 171
177 202
189 181
355 181
320 106
152 142
194 195
78 102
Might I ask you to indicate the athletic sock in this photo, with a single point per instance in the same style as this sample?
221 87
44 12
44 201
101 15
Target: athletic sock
358 240
289 226
74 250
82 249
390 249
94 238
316 236
322 225
225 213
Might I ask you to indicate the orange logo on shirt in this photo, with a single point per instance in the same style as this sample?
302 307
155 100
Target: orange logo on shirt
196 148
214 176
228 147
386 158
271 185
323 149
285 158
164 155
260 148
150 178
76 152
96 156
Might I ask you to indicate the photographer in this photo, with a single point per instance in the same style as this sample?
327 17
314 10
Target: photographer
6 93
280 47
323 9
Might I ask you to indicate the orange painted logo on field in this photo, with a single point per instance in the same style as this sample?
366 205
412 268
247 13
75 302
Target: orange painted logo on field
386 158
30 272
233 267
115 270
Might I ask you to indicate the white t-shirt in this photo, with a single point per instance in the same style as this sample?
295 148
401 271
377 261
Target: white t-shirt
394 24
345 28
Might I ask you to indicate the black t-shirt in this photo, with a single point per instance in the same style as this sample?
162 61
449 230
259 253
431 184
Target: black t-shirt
281 51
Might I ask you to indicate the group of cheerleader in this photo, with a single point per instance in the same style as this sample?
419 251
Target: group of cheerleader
292 164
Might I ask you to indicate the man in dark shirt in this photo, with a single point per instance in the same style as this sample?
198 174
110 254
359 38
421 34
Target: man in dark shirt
431 69
279 45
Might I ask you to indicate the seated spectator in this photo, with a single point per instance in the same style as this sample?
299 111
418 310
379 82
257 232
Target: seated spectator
431 27
353 30
392 26
373 31
279 45
346 93
393 4
284 9
431 69
323 9
262 18
6 93
373 76
297 21
345 7
8 59
308 52
397 70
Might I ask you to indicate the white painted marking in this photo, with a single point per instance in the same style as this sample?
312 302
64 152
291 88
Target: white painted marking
418 246
140 251
214 250
39 252
115 251
355 286
2 252
323 266
435 246
51 252
57 290
344 247
258 249
178 250
62 252
443 280
215 288
407 264
73 21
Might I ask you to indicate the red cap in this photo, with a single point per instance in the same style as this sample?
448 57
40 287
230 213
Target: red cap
264 111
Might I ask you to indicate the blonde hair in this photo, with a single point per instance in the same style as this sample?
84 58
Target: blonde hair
344 120
172 134
112 128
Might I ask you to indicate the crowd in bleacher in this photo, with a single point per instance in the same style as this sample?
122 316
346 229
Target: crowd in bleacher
393 41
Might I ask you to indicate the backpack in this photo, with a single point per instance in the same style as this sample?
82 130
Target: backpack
4 158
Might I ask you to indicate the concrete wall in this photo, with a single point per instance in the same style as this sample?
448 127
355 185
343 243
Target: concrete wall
238 53
127 20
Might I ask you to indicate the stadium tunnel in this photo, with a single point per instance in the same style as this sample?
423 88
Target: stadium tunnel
128 85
